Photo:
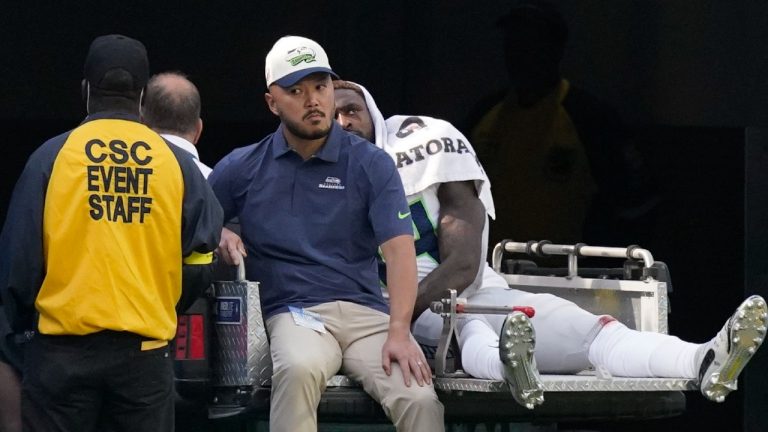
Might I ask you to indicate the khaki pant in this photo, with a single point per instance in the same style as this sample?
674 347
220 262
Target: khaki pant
303 360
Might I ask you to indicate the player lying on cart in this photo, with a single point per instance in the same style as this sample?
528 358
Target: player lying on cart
450 199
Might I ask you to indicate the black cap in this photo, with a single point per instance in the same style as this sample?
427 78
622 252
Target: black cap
117 52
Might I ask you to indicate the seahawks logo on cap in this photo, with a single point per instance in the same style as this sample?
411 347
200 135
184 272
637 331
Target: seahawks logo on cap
301 54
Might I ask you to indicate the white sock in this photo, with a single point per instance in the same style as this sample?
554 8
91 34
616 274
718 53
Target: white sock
479 345
631 353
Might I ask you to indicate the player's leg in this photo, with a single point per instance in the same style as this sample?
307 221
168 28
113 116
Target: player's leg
480 349
717 363
631 353
510 358
564 331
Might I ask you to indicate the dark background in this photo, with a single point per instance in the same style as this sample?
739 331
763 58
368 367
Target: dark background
688 77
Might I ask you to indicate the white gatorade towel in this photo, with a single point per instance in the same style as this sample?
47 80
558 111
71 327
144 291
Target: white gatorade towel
430 151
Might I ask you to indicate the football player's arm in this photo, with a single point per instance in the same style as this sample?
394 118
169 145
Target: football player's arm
459 235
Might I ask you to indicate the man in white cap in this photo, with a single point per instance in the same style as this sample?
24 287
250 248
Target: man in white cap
314 202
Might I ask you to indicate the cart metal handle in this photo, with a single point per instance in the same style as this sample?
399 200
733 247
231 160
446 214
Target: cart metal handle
544 247
241 270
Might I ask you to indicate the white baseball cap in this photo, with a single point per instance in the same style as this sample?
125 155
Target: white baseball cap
294 57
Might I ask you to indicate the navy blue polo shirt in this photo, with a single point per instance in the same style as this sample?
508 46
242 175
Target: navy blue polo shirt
312 228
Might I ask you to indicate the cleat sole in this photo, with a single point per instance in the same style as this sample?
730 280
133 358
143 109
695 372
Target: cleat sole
747 332
516 347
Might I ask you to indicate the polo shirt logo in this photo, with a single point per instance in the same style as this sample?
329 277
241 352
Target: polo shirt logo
331 183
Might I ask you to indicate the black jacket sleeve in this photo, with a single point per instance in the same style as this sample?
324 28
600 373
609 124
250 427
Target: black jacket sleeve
195 279
202 220
22 263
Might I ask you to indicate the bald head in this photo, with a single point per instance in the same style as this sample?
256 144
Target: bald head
172 105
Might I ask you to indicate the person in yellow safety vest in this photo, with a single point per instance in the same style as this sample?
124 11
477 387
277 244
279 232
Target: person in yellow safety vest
100 223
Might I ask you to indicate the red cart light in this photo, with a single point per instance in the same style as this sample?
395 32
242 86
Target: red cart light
190 338
196 337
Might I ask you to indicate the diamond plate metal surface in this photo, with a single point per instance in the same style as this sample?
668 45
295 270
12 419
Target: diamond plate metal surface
572 383
242 356
583 382
661 292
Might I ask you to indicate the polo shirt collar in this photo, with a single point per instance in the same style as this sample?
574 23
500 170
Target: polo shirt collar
329 151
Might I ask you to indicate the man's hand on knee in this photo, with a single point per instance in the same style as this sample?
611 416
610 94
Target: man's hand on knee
409 356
